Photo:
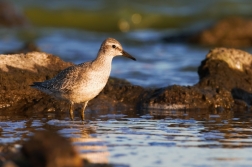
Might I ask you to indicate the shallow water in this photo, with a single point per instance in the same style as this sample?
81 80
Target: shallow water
146 138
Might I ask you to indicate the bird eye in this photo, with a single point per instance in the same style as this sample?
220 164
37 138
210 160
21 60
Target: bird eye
113 46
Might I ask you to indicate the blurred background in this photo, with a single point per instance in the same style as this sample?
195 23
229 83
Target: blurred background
169 38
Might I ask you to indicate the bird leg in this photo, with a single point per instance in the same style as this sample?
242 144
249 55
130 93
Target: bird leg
83 110
71 111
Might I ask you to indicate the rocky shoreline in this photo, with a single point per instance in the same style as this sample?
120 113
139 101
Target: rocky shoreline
225 82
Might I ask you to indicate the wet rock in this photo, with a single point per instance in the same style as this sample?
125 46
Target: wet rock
45 149
228 69
188 97
225 81
123 91
11 16
18 71
49 149
234 31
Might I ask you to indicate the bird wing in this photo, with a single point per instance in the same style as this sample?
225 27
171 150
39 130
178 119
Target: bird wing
66 79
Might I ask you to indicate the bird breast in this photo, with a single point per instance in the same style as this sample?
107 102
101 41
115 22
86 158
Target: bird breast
89 85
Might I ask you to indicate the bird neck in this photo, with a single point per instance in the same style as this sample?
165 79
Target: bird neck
102 61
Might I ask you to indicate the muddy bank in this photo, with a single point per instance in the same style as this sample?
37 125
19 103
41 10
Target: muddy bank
225 79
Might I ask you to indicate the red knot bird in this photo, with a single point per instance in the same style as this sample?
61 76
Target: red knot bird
81 83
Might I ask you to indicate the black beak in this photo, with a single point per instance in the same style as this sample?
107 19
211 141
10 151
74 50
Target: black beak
125 54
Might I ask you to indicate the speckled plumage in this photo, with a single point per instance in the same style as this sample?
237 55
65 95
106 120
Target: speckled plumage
81 83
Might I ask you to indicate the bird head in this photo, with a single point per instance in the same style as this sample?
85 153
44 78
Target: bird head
112 47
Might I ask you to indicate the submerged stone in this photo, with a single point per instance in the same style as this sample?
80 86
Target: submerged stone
49 149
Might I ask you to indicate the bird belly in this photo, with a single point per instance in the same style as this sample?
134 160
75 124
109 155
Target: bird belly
85 92
83 95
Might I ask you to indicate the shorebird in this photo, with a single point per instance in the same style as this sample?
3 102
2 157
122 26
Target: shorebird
81 83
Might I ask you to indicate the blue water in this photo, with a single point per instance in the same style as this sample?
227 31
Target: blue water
158 64
153 138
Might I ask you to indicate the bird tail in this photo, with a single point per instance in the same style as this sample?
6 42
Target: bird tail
40 86
36 84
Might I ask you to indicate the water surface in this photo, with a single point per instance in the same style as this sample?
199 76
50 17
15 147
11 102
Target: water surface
146 138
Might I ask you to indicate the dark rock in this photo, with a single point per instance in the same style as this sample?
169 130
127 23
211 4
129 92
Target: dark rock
125 93
10 16
225 81
228 69
44 149
17 95
190 97
49 149
234 31
18 71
